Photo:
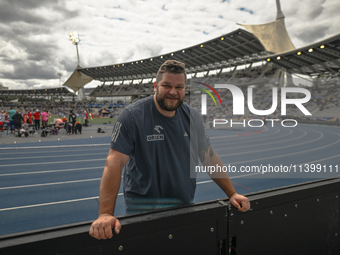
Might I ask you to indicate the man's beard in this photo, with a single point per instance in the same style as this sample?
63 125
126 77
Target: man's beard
165 106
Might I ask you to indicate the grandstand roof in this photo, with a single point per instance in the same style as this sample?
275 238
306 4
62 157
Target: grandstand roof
273 35
74 81
232 49
37 92
314 59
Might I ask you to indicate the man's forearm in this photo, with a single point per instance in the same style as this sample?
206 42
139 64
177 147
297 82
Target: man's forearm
109 185
226 185
211 158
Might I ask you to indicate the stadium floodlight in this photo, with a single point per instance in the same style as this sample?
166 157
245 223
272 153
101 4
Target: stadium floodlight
60 74
74 37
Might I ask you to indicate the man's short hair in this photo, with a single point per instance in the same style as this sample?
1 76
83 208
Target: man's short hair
171 66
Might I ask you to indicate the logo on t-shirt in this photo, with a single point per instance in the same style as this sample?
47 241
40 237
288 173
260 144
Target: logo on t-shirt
157 128
155 137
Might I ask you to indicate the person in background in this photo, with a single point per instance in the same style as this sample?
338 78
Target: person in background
78 127
86 119
36 116
2 119
29 117
17 118
11 112
72 120
44 118
58 124
64 119
23 116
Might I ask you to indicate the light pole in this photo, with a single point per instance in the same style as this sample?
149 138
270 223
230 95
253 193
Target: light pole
59 74
74 37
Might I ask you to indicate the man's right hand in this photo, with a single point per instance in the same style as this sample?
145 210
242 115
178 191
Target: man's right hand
102 227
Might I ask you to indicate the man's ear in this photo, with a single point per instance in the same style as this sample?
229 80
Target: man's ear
155 86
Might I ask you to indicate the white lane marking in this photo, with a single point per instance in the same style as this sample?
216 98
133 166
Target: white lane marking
323 159
58 162
219 137
52 147
202 182
52 203
53 171
56 150
284 155
255 144
47 184
271 149
89 198
54 156
260 138
233 177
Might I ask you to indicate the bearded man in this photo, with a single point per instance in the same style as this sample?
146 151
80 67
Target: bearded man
157 139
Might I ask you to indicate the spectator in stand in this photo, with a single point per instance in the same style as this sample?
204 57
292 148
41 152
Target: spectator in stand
11 112
17 118
72 120
64 119
44 118
36 116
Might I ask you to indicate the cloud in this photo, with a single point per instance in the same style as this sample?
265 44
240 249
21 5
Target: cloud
28 35
31 11
143 50
34 43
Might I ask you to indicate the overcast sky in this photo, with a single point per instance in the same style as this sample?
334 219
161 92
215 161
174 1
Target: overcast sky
35 46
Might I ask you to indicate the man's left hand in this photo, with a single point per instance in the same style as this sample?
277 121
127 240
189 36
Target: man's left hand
240 202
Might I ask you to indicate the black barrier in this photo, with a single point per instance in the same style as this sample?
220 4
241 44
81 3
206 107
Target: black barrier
300 219
192 229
